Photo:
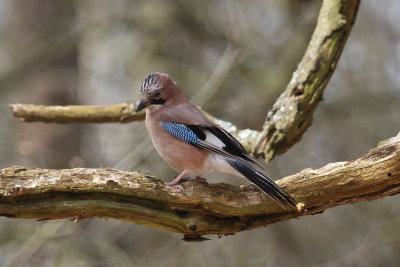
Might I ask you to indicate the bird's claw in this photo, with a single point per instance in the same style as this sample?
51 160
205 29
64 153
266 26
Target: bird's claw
177 186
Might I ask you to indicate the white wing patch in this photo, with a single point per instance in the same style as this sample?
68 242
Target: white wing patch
212 139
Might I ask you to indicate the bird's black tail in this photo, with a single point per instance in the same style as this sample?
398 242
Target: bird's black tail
279 195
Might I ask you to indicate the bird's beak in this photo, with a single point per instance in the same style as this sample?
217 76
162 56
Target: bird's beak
142 105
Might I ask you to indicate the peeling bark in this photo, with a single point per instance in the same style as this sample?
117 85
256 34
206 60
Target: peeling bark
292 113
201 208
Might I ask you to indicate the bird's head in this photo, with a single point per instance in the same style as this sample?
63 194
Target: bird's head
157 89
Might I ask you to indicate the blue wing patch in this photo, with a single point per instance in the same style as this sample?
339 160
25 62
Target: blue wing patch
181 131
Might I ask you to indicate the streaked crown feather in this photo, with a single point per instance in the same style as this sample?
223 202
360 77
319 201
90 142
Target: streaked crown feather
151 83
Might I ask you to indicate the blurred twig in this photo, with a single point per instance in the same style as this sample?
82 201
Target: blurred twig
217 77
200 208
34 243
140 152
292 112
54 48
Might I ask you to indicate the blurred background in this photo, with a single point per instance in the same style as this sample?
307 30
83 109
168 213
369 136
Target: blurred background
234 58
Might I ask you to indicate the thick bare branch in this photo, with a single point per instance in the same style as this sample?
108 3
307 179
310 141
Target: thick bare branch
201 208
291 114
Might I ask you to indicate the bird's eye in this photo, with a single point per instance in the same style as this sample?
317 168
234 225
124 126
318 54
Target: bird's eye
157 94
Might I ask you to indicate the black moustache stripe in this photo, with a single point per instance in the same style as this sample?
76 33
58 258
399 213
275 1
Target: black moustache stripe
159 101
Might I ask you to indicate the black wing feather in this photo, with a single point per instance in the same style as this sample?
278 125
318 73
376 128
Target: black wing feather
264 182
231 145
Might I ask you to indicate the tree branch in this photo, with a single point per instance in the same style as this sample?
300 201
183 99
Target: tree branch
291 114
118 113
201 208
122 113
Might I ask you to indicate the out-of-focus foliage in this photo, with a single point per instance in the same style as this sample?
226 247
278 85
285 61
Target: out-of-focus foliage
97 52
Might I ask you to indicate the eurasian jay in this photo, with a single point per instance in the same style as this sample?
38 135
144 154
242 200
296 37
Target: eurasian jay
193 145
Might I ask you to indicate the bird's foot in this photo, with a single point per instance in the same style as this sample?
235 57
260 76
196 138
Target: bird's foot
182 177
177 180
177 186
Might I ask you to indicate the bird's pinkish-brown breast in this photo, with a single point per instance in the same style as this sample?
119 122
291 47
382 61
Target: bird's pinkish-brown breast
177 154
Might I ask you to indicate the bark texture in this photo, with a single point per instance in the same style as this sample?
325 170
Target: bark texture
201 208
123 113
292 112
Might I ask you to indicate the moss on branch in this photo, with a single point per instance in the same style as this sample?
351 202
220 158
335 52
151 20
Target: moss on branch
292 112
201 208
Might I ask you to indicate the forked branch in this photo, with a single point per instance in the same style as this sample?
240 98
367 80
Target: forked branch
291 114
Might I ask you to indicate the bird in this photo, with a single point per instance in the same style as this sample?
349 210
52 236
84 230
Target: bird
192 144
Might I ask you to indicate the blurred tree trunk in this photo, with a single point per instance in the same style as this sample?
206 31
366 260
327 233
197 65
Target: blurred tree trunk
43 49
106 47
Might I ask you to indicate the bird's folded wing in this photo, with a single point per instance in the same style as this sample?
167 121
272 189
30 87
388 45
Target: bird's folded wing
215 139
210 137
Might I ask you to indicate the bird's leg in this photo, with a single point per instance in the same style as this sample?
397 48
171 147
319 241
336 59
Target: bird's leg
177 179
